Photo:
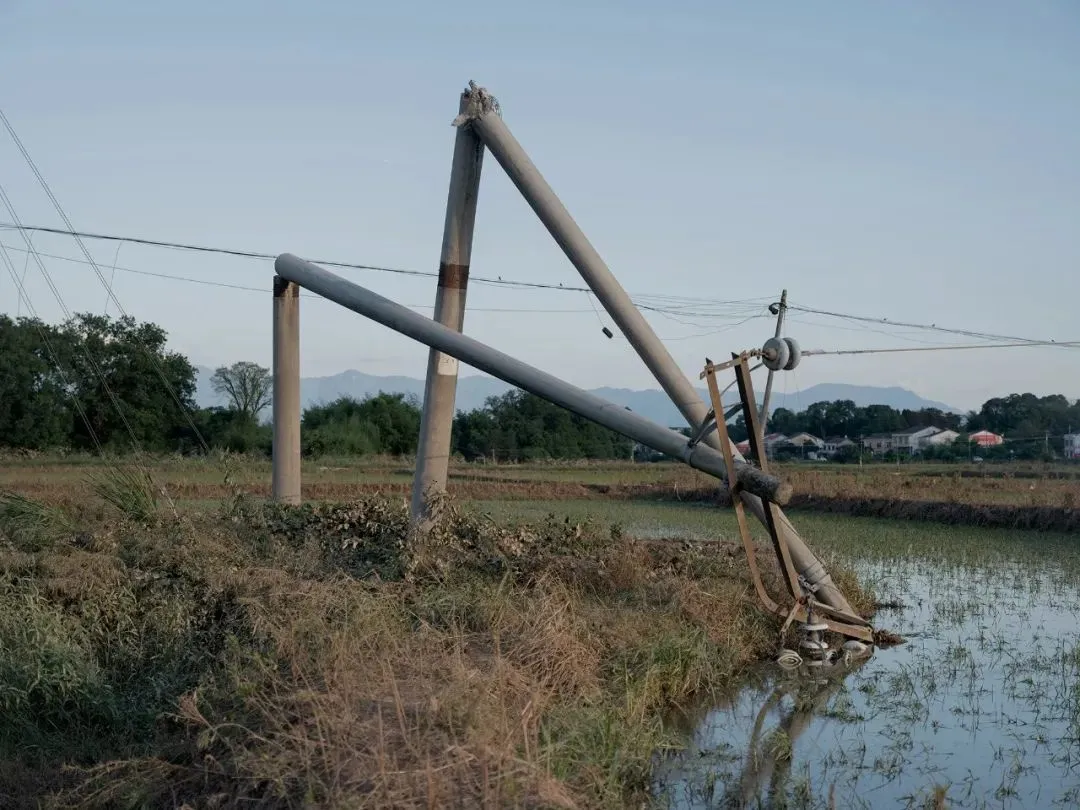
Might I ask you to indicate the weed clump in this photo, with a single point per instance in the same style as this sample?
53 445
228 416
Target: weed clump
130 492
31 525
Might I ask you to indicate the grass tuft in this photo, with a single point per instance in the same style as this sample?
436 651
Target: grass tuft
31 525
131 492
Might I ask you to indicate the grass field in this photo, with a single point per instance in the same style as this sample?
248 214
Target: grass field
530 652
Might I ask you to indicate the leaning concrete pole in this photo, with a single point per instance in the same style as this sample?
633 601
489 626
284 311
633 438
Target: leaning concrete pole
285 476
489 127
440 388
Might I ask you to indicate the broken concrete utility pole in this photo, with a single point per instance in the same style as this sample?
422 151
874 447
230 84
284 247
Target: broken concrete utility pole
468 350
440 388
495 135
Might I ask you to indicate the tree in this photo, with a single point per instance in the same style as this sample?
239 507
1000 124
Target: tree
521 427
248 387
226 429
130 387
35 407
386 423
848 454
783 421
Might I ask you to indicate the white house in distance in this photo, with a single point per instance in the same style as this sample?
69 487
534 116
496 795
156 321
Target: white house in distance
910 440
941 437
1072 445
773 439
834 444
807 440
878 442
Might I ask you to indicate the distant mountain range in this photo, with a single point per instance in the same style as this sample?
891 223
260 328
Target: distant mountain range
473 390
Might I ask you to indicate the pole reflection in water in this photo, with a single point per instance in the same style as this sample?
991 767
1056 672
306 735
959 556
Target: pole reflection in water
760 774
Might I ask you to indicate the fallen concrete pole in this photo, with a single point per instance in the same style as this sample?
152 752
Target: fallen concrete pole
467 350
489 127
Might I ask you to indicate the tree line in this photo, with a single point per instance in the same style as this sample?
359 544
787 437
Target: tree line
111 384
96 382
1016 415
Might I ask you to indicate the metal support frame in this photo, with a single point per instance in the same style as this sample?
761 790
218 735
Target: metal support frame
802 594
440 387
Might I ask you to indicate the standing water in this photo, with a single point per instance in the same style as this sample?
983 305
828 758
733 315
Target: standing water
980 708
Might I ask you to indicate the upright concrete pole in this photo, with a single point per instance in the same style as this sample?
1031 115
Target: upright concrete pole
286 447
440 388
495 135
768 382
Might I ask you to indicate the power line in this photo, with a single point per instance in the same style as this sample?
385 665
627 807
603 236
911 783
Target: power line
25 297
673 307
262 290
927 327
255 254
670 304
60 300
311 296
1012 345
59 209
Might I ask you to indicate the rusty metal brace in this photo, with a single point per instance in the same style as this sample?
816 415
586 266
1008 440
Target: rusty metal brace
800 589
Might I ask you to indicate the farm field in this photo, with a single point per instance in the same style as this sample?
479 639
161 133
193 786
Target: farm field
194 480
570 636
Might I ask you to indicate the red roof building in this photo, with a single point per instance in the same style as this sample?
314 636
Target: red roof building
984 438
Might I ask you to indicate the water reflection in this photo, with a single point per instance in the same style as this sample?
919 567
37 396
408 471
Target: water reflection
791 707
980 708
784 705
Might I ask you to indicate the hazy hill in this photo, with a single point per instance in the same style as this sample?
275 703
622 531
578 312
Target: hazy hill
651 403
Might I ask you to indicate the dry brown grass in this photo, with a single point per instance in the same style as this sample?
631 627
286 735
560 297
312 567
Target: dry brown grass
322 657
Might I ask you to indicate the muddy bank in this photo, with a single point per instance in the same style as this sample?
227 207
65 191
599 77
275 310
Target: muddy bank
1042 518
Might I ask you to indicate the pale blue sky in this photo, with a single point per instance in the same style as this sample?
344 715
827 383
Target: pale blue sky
917 161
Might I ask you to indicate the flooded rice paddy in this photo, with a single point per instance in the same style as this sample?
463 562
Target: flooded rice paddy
980 708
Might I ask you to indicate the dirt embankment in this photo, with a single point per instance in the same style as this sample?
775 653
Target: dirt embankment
1042 518
325 656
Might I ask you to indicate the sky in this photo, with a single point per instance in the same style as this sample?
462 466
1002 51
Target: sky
913 161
